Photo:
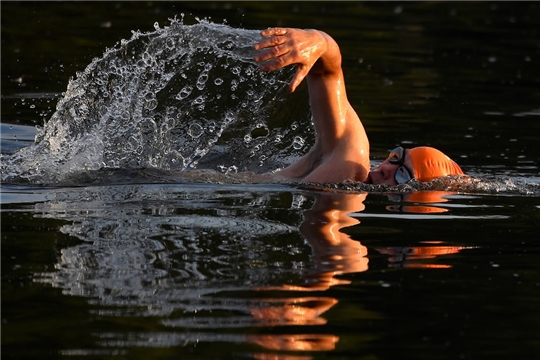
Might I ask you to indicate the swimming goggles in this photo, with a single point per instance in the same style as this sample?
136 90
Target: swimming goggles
397 157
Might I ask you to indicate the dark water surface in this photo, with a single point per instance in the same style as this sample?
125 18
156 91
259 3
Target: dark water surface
160 263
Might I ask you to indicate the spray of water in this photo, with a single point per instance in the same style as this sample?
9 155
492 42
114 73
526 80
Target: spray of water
180 97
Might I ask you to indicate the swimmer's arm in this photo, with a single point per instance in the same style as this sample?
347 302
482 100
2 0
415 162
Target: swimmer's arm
340 135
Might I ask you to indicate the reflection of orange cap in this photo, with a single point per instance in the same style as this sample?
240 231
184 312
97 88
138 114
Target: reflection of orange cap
427 196
430 163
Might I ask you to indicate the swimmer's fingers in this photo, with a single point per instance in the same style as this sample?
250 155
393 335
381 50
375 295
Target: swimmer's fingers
273 45
282 47
273 53
274 31
271 37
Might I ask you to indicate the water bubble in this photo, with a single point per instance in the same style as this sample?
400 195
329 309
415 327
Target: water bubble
195 130
234 85
169 43
218 81
236 70
247 139
278 138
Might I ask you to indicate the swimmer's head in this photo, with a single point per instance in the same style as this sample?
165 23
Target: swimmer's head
430 163
422 163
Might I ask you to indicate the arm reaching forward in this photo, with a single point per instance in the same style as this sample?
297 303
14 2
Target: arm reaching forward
341 150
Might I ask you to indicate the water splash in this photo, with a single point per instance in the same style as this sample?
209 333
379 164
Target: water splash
180 97
458 184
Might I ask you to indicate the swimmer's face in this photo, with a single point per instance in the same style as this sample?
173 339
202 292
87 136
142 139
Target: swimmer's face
397 169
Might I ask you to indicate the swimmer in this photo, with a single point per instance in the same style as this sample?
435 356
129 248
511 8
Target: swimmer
341 149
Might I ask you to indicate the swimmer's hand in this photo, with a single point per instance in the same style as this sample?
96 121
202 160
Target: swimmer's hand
312 51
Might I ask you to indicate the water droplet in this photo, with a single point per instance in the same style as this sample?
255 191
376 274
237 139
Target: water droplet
211 127
147 58
184 93
151 105
218 81
199 100
169 43
202 80
156 25
195 130
250 70
229 117
247 139
298 142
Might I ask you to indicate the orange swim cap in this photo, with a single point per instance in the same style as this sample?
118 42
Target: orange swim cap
430 163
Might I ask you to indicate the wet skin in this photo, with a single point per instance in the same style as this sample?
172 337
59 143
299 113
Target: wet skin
385 173
341 149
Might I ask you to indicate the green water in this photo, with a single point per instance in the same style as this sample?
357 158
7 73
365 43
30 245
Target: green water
196 270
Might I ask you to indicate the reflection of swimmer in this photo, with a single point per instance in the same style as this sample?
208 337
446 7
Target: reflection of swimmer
419 197
341 150
293 342
411 255
334 252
